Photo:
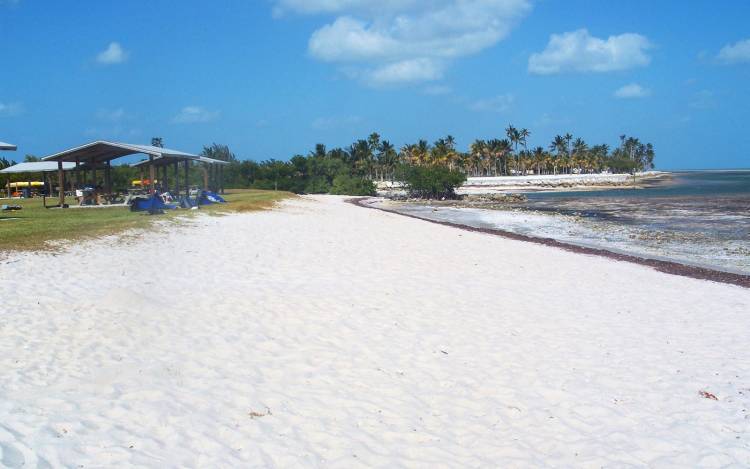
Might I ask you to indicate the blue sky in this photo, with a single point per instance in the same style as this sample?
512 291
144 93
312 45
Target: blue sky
272 78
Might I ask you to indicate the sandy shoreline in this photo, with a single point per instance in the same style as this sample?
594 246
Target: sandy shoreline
542 183
661 265
325 334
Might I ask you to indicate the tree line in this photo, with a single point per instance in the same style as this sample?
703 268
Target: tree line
354 169
376 159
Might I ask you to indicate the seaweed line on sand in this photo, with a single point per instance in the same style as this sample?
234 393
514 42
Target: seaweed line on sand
669 267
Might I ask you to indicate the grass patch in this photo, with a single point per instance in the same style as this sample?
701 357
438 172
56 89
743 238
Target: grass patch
32 227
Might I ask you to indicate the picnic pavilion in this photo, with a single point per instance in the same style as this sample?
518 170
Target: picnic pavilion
98 155
46 168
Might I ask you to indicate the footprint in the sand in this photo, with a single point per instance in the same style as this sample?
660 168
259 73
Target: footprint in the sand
10 456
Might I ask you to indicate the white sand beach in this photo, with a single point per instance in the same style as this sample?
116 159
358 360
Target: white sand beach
322 334
537 182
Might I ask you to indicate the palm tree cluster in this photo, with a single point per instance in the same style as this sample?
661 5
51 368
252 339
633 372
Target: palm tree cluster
376 159
564 155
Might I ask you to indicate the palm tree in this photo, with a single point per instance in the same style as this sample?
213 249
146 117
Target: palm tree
580 153
408 153
539 157
452 155
514 136
560 147
423 152
319 151
387 159
523 136
477 152
568 138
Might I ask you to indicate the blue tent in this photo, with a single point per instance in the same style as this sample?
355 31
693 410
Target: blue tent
208 198
153 204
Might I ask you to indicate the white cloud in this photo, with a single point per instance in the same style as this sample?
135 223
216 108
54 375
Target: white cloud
406 71
341 6
10 109
578 51
633 90
405 41
113 54
735 53
500 103
194 114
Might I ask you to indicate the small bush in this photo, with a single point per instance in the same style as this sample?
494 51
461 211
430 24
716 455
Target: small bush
344 184
431 182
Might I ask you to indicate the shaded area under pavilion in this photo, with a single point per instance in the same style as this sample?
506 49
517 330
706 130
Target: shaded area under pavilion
99 155
43 167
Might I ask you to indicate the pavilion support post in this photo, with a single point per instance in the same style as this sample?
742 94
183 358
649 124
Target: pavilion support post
93 173
108 177
221 179
205 178
165 185
61 182
187 178
176 179
78 173
151 173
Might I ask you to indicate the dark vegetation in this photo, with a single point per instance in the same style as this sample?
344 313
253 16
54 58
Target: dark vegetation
428 170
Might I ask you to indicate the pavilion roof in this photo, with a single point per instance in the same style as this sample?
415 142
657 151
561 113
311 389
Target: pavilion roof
170 159
102 150
36 167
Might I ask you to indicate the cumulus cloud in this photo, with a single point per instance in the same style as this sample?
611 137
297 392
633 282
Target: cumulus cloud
500 103
738 52
113 54
405 41
633 90
194 114
10 109
579 51
339 6
406 71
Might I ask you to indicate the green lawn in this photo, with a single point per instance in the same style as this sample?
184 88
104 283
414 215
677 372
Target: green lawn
34 225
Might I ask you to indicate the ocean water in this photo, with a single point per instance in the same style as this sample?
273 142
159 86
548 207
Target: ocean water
696 217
